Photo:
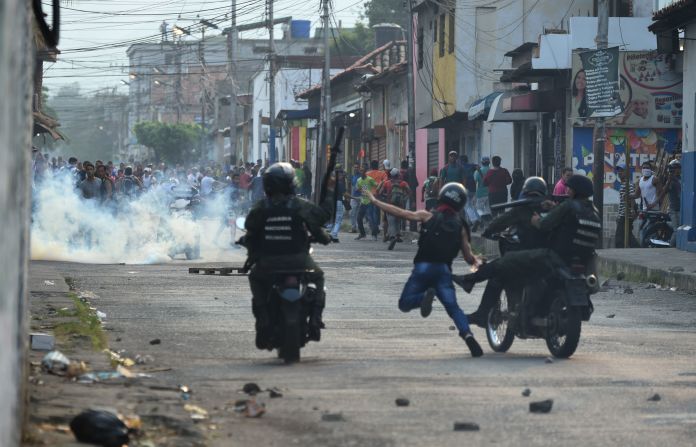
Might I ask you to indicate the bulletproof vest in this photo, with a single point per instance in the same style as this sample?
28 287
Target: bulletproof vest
284 232
577 237
440 238
530 236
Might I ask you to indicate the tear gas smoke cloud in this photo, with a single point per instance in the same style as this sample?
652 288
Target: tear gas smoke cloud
144 230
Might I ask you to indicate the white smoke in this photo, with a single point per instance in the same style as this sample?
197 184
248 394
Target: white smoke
66 227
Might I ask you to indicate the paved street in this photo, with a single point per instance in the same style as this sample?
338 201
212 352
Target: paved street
372 354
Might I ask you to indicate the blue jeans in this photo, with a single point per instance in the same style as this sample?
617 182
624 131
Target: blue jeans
426 275
366 210
340 209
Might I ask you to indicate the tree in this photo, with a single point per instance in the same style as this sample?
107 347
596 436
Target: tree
386 11
174 143
356 41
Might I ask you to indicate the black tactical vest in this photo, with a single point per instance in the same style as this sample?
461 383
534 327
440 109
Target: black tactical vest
284 232
577 238
440 238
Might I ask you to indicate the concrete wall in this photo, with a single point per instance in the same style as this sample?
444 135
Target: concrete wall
15 82
686 238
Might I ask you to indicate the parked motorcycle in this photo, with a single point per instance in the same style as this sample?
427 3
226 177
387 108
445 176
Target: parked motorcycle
289 305
552 308
655 230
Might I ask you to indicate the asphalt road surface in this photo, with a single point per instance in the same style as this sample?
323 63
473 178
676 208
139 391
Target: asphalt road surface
371 354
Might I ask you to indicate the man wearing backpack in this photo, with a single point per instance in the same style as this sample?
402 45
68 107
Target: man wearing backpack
396 192
129 185
431 188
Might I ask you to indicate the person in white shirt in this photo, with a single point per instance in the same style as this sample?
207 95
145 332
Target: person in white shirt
207 183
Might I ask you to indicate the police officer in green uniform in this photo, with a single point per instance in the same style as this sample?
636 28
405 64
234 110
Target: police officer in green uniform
574 229
278 238
530 237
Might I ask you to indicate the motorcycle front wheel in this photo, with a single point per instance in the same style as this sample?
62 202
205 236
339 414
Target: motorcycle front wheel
563 330
499 331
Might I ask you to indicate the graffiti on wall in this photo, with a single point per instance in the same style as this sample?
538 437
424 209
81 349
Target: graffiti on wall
644 144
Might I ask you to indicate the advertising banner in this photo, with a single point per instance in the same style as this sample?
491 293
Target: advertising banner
601 71
644 144
649 92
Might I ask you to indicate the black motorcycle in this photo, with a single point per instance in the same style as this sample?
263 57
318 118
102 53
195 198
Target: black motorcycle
289 303
552 308
655 230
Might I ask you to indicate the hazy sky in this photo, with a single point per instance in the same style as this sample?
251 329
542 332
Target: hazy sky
96 33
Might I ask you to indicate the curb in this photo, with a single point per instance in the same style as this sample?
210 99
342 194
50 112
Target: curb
640 273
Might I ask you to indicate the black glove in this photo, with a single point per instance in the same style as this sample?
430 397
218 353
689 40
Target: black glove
242 241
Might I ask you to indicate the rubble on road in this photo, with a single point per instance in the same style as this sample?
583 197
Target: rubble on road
466 426
251 389
332 417
100 427
402 402
543 406
655 398
55 362
526 392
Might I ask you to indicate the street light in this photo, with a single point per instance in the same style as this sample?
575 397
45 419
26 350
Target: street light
158 82
179 31
132 75
125 82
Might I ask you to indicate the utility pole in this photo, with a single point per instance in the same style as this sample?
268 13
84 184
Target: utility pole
232 72
325 126
271 88
410 95
204 94
600 133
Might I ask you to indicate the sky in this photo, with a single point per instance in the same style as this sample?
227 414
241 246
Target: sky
95 34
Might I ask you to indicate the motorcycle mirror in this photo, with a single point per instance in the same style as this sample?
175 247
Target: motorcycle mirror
240 222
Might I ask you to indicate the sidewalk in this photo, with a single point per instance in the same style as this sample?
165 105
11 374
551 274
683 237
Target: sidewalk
665 266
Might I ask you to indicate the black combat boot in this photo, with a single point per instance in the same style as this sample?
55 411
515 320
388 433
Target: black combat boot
484 272
263 327
316 324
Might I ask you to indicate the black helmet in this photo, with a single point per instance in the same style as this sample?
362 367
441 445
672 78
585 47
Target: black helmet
581 185
453 194
279 179
535 186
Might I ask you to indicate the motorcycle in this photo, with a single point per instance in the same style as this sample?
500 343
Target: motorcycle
289 303
184 203
552 308
655 230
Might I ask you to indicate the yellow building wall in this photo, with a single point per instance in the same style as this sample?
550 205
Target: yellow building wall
444 74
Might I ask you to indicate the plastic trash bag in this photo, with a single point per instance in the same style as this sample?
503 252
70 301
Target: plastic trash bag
99 427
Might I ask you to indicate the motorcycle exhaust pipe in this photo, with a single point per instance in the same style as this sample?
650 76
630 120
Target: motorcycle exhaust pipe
592 283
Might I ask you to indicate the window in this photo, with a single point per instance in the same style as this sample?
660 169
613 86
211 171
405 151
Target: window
434 26
420 47
450 46
442 35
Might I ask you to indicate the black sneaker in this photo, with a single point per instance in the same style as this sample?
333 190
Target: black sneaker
362 236
473 345
335 240
462 281
426 306
392 243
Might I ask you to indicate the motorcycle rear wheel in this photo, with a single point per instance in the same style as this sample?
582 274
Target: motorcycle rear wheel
289 350
499 331
563 332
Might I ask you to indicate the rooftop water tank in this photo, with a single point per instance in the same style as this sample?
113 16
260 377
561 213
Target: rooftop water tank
387 32
299 29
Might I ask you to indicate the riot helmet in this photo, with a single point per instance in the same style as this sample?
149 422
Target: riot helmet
534 187
279 179
581 185
453 194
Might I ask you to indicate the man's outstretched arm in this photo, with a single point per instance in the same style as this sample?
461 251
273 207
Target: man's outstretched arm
417 216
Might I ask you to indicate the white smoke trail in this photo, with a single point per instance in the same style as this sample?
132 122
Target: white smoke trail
66 227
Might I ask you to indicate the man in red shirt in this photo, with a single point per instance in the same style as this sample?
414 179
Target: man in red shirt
497 179
380 177
244 179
